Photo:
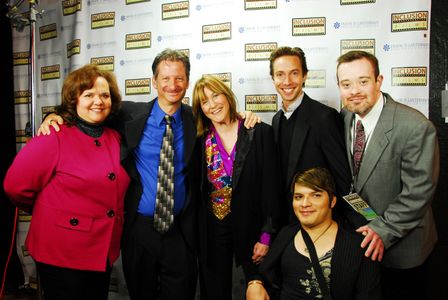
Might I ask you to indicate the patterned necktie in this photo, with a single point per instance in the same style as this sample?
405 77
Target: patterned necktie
358 146
163 215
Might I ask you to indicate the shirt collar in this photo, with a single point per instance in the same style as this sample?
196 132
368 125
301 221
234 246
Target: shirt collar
159 115
371 119
293 106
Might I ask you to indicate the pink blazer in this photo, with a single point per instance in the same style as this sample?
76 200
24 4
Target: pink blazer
75 185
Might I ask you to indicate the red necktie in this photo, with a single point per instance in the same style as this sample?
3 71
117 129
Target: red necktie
358 146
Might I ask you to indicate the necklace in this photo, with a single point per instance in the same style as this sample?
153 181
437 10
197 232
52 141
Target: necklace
318 237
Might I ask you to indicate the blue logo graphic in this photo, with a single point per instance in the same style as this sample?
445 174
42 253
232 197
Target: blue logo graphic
121 62
198 7
386 47
123 18
241 80
159 38
241 29
198 56
337 25
89 46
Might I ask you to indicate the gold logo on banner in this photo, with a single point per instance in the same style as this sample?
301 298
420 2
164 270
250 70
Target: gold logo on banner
20 58
226 78
258 51
308 26
260 4
70 7
136 1
367 45
24 216
102 20
176 10
409 76
410 21
354 2
47 109
105 63
50 72
48 32
261 103
138 40
22 97
74 47
217 32
316 79
20 139
25 252
141 86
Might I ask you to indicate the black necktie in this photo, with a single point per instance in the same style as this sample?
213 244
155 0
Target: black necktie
163 216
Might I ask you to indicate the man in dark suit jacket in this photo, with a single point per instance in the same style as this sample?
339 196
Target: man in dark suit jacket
159 264
308 133
396 175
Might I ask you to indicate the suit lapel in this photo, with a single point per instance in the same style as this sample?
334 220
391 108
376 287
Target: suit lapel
189 132
379 141
243 144
301 128
276 126
348 121
133 130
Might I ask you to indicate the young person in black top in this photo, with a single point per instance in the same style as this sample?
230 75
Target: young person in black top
287 269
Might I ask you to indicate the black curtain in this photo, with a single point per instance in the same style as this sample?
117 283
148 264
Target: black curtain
14 277
437 80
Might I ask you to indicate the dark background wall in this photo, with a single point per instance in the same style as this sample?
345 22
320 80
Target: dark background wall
7 150
437 79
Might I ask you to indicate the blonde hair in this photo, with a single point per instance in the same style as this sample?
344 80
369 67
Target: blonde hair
216 86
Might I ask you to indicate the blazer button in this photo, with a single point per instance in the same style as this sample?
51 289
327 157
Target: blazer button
110 213
97 143
111 176
74 222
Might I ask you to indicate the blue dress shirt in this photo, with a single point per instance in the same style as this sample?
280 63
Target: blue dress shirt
147 158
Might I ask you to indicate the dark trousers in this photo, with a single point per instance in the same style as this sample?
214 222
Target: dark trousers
216 272
70 284
404 284
158 266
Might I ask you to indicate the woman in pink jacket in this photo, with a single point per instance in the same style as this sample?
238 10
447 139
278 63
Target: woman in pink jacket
74 185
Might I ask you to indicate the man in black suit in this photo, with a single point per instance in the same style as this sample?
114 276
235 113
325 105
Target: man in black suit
308 133
159 264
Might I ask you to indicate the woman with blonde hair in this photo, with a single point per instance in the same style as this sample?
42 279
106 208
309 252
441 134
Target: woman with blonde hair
239 189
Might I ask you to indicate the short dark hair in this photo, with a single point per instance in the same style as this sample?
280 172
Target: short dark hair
83 79
318 179
358 54
171 55
287 51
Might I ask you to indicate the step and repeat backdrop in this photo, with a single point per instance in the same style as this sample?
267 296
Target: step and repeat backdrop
231 39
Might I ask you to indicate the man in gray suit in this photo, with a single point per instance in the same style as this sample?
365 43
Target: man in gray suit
395 170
